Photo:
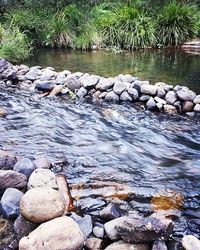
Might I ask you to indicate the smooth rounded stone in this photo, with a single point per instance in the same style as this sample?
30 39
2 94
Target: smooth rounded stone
160 84
144 98
89 82
10 203
61 233
187 106
3 112
81 92
160 100
64 91
168 87
186 95
24 166
161 92
177 88
125 97
42 204
98 232
111 96
72 83
119 87
105 83
42 178
60 78
110 212
94 244
170 109
7 160
197 99
133 93
85 224
159 245
33 74
103 95
23 227
77 74
151 104
171 97
121 245
190 242
41 161
138 83
47 75
126 78
12 179
148 89
44 85
197 107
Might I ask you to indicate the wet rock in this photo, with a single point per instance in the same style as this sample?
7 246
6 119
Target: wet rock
125 97
121 245
72 83
10 203
44 85
148 89
187 106
89 82
42 204
42 162
119 87
186 95
94 244
144 98
98 232
170 109
111 96
7 235
59 233
12 179
133 93
105 83
110 212
190 242
197 99
7 160
81 92
24 166
160 100
151 104
42 178
159 245
171 97
23 227
3 112
161 92
85 224
197 107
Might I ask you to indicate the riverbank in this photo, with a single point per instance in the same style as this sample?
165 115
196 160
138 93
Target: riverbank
159 97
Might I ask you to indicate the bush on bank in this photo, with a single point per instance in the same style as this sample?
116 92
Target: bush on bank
112 24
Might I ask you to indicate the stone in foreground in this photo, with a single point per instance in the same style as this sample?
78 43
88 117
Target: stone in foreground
23 227
61 233
121 245
94 244
7 160
42 204
190 242
12 179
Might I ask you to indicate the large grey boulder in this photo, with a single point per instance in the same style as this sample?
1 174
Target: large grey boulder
133 93
33 74
171 97
61 233
12 179
151 104
161 92
126 78
48 74
111 96
89 81
148 89
159 245
105 83
125 97
186 95
24 166
42 204
72 83
170 109
119 87
44 85
190 242
94 244
197 99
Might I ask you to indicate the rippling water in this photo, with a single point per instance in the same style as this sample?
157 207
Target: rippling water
109 152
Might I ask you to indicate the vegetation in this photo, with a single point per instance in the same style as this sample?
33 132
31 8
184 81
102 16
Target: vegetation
128 24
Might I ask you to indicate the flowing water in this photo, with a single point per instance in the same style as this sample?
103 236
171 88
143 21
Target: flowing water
110 152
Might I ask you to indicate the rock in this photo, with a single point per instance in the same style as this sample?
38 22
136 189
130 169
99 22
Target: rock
119 87
197 99
105 83
159 100
42 162
125 97
160 92
159 106
42 178
61 78
171 97
24 166
23 227
89 82
190 242
12 179
81 92
56 90
133 93
3 112
42 204
110 212
186 95
10 203
148 89
177 105
7 235
170 109
168 87
103 95
44 85
174 245
187 106
137 84
159 245
98 232
197 107
72 83
47 75
127 78
94 244
121 245
61 233
144 98
151 104
111 96
85 224
7 160
160 84
33 74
